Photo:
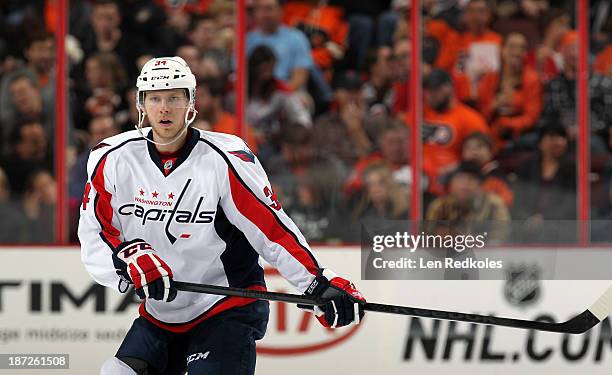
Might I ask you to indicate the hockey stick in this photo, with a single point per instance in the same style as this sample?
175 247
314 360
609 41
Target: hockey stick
579 324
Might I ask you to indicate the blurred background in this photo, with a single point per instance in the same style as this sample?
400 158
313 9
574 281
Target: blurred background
326 93
467 112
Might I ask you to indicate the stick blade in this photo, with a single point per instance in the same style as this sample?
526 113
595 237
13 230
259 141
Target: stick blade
603 306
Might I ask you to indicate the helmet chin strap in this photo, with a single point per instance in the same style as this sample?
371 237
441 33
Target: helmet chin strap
188 120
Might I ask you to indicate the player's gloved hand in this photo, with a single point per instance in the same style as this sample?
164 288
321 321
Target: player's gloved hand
345 305
137 262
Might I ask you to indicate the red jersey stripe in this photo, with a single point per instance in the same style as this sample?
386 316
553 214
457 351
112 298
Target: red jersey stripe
103 208
260 215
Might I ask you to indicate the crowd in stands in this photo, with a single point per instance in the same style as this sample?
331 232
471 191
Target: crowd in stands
327 104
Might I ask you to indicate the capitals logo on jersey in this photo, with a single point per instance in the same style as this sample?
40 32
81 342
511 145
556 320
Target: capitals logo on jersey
172 215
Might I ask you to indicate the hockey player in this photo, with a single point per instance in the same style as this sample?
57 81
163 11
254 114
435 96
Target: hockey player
171 201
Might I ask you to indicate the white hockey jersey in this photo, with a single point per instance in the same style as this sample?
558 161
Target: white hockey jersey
209 219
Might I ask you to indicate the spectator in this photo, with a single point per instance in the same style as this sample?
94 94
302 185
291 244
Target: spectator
446 124
39 54
29 105
392 151
30 152
401 75
325 28
106 36
191 55
546 185
156 29
102 92
468 208
39 200
14 228
203 35
560 97
383 198
448 42
388 20
377 90
224 13
478 50
448 11
128 117
212 116
290 46
362 17
208 68
511 99
100 128
345 131
603 62
291 169
478 148
270 102
546 58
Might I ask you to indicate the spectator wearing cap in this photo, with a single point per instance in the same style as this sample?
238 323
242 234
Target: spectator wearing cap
478 148
546 184
290 46
560 98
467 208
511 99
345 130
446 124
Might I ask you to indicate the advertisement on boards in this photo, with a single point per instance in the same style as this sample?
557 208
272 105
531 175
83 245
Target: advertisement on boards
49 305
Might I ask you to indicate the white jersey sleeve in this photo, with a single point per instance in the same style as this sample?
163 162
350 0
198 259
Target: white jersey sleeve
249 203
99 230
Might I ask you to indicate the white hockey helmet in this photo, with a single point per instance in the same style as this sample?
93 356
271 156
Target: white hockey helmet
166 73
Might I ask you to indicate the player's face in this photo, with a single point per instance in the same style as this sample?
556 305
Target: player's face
166 112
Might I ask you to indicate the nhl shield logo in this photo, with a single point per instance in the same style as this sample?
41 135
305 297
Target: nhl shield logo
522 286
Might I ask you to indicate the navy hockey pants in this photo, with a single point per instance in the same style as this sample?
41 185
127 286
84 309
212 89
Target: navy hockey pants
221 345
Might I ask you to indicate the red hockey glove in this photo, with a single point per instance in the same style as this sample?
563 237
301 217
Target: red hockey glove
345 305
152 277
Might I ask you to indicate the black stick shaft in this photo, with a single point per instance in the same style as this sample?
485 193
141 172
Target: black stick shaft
246 293
579 324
